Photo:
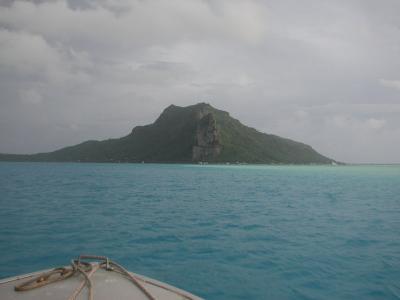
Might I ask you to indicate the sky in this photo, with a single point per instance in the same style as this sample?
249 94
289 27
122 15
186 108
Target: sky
326 73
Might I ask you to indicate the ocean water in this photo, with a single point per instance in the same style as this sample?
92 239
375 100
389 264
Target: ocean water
221 232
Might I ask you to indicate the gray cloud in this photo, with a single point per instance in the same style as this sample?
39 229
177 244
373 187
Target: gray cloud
325 73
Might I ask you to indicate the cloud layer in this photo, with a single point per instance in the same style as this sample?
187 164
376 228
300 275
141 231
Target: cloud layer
325 73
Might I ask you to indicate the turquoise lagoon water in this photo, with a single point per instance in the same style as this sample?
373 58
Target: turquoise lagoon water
222 232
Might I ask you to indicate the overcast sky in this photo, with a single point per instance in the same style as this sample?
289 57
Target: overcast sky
326 73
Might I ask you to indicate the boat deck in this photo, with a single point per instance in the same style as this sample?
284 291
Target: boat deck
105 285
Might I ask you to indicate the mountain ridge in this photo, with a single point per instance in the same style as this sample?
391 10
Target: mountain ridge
195 133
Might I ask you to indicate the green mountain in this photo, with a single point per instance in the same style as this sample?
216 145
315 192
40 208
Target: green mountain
197 133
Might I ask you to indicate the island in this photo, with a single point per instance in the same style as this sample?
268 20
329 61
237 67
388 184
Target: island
197 133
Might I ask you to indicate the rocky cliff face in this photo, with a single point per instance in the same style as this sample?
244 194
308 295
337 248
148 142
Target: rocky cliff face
207 144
